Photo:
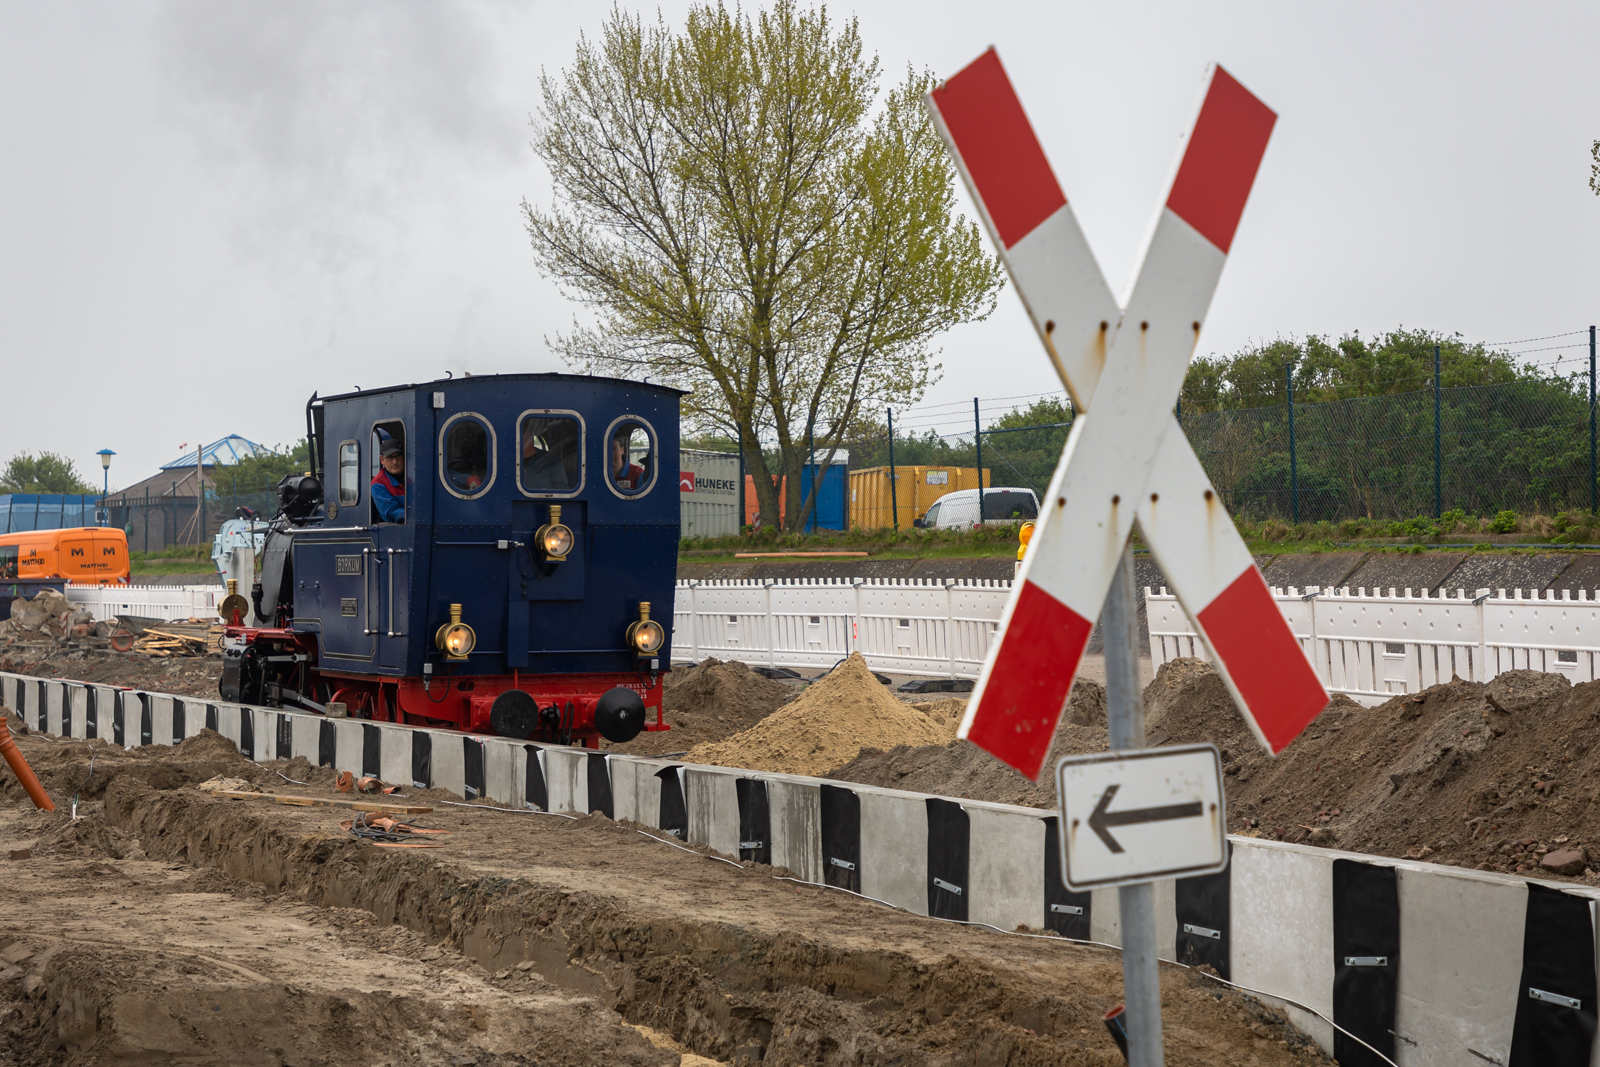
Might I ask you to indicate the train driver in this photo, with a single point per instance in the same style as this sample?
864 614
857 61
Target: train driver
626 475
389 487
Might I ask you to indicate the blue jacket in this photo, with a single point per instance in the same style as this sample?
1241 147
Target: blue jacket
389 497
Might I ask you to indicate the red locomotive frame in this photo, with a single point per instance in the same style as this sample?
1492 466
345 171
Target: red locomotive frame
456 702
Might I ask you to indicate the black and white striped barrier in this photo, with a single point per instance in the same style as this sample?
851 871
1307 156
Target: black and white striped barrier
1429 964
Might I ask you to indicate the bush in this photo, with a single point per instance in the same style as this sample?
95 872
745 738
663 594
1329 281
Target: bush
1504 522
1419 527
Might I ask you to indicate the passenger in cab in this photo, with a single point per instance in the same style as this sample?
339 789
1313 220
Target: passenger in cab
541 469
389 487
626 475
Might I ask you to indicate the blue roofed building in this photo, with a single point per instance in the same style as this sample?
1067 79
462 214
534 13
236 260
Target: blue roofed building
185 501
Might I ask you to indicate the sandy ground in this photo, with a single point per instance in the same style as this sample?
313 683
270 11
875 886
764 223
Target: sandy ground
243 932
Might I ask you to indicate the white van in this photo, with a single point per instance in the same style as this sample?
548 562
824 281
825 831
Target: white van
960 508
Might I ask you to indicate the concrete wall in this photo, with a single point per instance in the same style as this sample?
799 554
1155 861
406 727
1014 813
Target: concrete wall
1461 932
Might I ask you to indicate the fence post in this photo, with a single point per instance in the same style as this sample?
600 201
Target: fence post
894 499
772 628
977 437
1594 505
694 621
1437 491
855 623
1294 470
950 619
811 461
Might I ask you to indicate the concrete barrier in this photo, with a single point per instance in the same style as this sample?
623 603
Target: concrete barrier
567 779
500 773
894 847
636 789
161 708
1450 989
1287 893
1453 984
1007 886
56 694
711 801
795 807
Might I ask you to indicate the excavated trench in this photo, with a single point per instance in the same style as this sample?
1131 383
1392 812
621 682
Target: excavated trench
730 967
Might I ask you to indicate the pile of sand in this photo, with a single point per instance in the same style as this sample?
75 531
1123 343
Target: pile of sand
708 702
829 723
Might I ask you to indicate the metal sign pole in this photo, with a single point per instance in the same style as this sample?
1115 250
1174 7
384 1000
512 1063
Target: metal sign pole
1141 982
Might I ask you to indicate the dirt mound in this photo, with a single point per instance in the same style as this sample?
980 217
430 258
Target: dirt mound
206 745
962 769
712 700
181 676
85 768
827 725
85 837
1442 775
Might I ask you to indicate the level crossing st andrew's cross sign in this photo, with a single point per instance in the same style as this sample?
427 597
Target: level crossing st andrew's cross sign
1126 455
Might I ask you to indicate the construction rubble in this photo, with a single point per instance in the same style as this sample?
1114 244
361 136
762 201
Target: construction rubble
49 626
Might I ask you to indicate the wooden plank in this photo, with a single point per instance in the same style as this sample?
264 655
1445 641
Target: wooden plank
325 802
809 555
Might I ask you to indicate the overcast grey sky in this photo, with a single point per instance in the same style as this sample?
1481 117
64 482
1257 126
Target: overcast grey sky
208 210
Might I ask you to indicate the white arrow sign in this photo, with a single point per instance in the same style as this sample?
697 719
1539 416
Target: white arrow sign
1141 815
1129 458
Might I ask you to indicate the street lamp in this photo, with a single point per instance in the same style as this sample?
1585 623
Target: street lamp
105 455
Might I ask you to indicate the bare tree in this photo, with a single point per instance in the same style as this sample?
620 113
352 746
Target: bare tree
746 225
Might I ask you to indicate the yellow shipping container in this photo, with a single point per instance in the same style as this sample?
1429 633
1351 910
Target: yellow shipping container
916 488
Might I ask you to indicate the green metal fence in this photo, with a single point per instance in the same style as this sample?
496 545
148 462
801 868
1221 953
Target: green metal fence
1527 446
1523 446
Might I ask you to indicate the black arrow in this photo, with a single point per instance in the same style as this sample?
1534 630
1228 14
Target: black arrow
1101 820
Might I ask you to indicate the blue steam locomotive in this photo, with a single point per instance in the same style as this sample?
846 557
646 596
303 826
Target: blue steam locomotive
495 554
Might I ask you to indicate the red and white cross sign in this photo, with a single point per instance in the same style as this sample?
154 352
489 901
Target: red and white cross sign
1126 456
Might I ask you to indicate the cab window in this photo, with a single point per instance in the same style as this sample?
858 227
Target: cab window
466 456
551 447
388 503
630 458
349 472
8 561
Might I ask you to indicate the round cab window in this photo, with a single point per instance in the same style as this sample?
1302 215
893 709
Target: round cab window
466 456
552 454
630 457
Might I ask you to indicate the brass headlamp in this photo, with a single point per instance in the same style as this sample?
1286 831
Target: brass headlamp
554 539
455 638
645 635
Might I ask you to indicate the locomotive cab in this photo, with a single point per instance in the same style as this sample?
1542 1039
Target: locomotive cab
491 553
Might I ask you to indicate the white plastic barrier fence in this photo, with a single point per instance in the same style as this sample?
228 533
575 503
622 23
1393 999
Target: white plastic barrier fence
909 626
170 602
1370 645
